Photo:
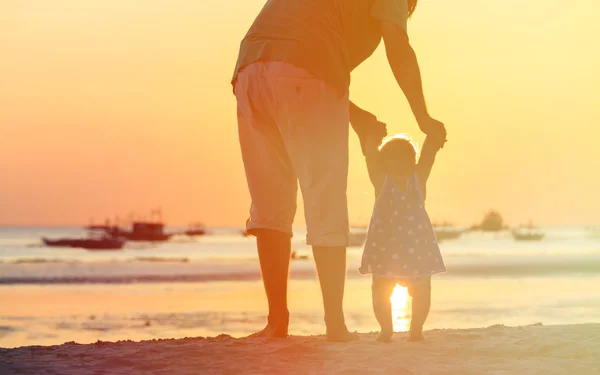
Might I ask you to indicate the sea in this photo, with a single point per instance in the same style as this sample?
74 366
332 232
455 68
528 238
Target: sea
210 285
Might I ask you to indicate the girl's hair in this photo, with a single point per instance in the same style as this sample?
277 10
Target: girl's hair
399 147
412 4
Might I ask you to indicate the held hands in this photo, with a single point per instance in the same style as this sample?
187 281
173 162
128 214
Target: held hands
434 129
377 132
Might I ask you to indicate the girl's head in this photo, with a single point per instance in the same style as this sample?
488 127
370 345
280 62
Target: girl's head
412 4
399 154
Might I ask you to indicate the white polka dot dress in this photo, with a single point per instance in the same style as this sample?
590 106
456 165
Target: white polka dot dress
401 242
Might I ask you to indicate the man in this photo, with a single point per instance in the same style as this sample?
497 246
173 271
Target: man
291 83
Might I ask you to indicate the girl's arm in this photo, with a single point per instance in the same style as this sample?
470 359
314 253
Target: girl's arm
364 123
431 146
375 165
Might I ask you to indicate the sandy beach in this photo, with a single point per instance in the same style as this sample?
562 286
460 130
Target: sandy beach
498 349
142 142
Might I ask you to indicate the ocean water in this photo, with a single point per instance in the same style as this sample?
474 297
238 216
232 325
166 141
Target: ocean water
211 285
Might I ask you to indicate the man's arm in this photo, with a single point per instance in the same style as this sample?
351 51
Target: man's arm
375 166
404 64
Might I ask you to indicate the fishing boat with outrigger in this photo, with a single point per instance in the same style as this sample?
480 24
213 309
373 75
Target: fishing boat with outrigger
197 229
143 231
527 233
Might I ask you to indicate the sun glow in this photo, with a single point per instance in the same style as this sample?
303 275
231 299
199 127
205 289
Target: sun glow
399 301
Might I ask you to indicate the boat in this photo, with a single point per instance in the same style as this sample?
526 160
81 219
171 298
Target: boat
295 256
197 229
61 242
527 233
140 231
492 222
144 231
107 227
102 243
150 231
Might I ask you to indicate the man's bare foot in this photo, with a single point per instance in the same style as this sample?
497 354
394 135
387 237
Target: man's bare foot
342 336
271 331
415 336
385 336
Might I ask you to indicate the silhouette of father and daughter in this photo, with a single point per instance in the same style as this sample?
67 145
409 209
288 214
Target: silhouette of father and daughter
291 82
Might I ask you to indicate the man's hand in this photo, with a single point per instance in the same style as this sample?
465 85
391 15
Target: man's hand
378 132
373 140
434 129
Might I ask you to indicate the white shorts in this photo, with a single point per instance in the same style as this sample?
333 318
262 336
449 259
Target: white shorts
294 128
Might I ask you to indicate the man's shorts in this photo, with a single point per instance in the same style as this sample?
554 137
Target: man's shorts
294 128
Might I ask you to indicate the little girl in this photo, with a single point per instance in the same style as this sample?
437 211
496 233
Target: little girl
401 247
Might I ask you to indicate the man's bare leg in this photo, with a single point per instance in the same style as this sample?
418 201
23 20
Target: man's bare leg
331 269
274 250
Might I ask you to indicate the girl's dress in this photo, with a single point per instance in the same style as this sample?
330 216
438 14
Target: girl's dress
401 242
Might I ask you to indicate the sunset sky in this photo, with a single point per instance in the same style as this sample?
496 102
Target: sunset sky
109 107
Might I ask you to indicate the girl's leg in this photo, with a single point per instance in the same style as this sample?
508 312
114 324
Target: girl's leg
382 289
420 292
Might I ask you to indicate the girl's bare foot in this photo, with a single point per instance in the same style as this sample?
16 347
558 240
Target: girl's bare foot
385 336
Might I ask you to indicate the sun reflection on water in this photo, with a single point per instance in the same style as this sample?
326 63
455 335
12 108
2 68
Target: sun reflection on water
399 309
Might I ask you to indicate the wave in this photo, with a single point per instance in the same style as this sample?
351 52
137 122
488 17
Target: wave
156 259
131 279
161 259
206 273
39 261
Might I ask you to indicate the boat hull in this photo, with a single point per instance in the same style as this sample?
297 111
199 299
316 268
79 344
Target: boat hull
145 238
87 243
528 237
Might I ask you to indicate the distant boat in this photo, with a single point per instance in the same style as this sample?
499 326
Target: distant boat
527 233
295 256
140 231
104 228
150 231
197 229
144 231
492 222
103 243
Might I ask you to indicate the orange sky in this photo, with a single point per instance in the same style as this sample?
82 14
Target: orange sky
109 107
